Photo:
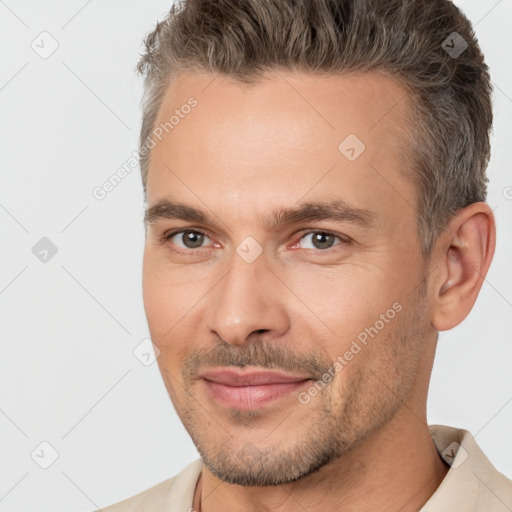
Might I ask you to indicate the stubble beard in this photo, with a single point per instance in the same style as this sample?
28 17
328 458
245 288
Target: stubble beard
363 397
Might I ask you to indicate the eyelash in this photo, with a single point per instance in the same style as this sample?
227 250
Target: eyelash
344 240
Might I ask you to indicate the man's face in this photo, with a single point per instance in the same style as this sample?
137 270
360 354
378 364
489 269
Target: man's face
244 289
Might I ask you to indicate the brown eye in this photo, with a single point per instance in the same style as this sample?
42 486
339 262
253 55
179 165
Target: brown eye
187 239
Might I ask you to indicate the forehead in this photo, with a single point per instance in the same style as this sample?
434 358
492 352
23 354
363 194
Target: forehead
284 138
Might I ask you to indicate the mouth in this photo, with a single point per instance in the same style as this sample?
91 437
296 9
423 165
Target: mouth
249 390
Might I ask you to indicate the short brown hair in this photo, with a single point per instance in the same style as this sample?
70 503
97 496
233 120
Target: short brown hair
421 43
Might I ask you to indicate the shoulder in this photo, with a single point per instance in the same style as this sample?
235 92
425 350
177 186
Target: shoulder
472 483
151 499
176 492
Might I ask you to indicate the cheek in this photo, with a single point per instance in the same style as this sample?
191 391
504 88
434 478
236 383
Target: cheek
168 298
171 308
341 301
356 325
372 384
156 303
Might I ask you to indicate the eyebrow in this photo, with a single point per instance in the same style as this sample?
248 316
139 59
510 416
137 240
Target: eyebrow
336 210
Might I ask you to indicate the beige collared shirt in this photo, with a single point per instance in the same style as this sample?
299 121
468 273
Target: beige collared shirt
471 484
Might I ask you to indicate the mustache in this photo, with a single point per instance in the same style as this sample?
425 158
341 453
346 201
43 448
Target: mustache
261 354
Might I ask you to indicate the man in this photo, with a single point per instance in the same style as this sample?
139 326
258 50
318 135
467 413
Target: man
314 176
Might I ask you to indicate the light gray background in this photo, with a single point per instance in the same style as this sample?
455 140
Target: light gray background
68 375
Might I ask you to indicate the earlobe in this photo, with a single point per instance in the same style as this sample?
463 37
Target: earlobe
464 255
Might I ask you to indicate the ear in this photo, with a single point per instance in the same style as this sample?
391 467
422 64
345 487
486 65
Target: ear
463 255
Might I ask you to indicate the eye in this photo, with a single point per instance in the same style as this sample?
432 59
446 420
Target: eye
190 239
186 238
319 240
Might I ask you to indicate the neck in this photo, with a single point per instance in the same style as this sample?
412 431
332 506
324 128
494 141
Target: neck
396 468
196 505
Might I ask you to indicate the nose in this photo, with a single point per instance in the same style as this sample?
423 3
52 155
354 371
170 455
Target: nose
248 299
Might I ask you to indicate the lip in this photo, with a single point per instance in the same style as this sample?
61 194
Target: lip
250 389
234 377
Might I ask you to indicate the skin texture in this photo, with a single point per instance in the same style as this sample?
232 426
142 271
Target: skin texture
362 442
